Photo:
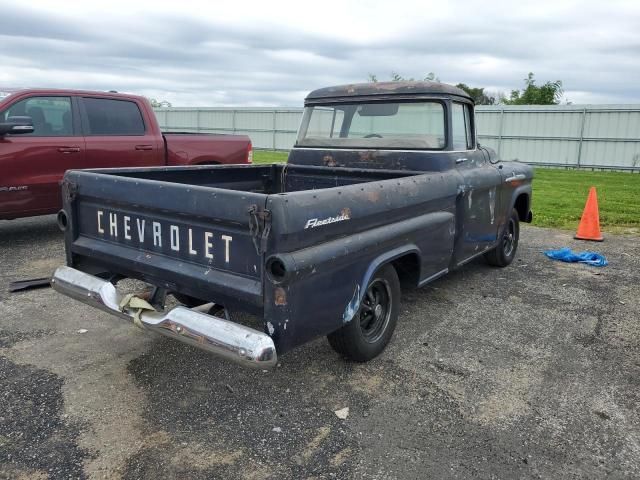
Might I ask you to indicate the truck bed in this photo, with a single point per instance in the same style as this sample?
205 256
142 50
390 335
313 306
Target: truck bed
205 148
213 233
266 179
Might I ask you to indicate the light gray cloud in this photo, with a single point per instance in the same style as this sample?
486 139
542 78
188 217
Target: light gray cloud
273 54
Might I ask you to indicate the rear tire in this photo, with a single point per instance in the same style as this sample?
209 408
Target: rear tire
504 253
371 328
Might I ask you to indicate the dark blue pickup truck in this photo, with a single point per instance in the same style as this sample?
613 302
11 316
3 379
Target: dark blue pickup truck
386 184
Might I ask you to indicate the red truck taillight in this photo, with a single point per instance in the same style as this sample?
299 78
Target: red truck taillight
250 153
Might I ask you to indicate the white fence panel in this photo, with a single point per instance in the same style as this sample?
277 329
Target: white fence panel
591 136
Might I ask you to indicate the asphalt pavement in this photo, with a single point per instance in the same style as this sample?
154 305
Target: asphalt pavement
532 371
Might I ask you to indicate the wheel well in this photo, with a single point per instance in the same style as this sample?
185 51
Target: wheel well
408 269
522 207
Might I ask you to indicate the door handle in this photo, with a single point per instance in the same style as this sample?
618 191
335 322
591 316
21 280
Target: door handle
144 147
514 177
461 160
69 149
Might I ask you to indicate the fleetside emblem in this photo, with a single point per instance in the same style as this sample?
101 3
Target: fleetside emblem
345 214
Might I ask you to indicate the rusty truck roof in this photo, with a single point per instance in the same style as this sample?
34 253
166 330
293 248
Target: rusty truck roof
385 89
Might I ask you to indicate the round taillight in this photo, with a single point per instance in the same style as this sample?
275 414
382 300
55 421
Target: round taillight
276 269
63 220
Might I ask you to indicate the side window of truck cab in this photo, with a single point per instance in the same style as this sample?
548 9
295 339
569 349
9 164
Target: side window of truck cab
51 116
109 117
325 122
116 134
461 127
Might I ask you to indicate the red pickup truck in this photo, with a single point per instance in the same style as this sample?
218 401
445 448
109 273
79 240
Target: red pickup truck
43 133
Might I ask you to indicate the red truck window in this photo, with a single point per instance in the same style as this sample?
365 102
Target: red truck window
113 117
51 116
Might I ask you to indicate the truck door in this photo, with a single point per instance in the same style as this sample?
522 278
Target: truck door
477 201
32 165
116 134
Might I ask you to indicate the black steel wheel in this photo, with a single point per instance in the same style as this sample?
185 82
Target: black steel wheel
375 310
371 328
505 251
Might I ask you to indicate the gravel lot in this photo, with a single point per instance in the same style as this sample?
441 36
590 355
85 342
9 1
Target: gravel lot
527 372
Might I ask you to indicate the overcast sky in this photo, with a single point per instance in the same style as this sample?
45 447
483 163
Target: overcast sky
271 53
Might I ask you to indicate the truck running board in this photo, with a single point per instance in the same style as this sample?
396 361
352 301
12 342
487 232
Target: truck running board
216 335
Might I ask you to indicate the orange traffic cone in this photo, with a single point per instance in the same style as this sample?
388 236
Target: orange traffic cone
589 228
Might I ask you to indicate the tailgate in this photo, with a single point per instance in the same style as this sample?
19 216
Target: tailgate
189 239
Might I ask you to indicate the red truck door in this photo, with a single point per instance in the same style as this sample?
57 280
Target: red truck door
117 135
32 165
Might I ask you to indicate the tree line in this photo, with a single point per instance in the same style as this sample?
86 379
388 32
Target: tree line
549 93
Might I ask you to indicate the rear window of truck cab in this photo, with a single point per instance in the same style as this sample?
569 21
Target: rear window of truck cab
400 125
113 117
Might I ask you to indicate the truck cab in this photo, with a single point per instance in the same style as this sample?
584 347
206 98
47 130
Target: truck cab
416 126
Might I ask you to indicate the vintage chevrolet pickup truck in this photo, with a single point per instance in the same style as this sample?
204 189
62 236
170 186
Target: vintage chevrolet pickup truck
386 184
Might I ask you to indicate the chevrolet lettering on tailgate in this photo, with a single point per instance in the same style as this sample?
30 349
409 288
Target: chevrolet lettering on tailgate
152 234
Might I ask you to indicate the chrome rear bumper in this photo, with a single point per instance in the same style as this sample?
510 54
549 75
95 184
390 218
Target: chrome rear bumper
216 335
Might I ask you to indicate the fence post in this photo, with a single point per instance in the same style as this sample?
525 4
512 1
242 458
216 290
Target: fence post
198 120
233 121
162 118
274 128
500 133
584 117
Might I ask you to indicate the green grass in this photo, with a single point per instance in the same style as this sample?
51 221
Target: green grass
266 156
559 196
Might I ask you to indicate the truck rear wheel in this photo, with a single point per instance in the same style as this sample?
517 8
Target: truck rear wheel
505 251
371 328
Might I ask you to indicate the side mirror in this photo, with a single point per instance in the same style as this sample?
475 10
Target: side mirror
16 126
